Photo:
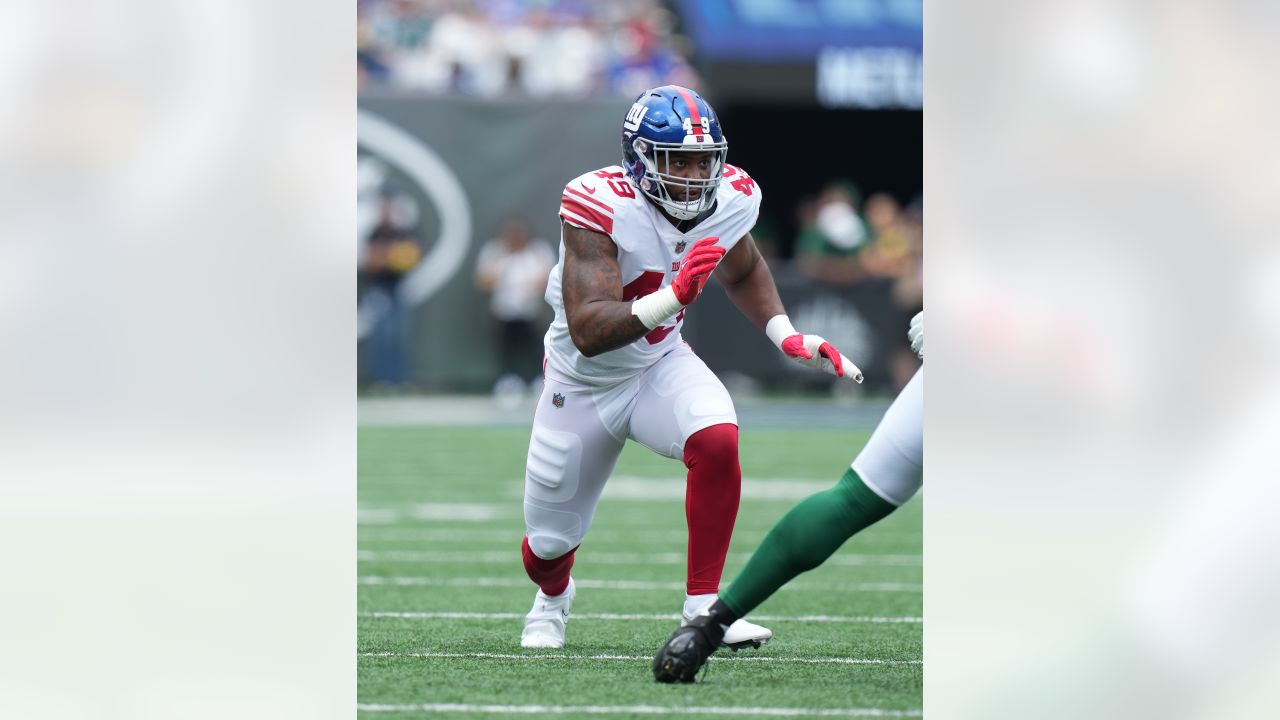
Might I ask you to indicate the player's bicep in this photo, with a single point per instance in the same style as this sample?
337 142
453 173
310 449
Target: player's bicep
590 270
739 262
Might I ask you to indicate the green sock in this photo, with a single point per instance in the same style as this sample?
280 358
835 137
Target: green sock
804 538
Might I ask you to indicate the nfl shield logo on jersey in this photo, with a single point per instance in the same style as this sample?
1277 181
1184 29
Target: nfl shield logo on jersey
681 245
557 399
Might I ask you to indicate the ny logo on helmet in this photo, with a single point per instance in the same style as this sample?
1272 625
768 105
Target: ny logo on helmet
557 399
634 116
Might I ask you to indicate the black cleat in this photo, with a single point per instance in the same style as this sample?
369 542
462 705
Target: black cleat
687 650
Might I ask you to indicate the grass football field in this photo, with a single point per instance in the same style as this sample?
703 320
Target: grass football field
442 592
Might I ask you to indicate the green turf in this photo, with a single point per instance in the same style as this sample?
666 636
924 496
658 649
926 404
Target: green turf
441 506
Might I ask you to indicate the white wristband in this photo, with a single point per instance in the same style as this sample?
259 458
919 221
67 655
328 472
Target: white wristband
779 328
654 308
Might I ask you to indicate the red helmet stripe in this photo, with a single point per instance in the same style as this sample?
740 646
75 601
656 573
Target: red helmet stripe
695 119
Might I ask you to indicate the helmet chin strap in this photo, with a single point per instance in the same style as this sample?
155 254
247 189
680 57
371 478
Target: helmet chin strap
681 214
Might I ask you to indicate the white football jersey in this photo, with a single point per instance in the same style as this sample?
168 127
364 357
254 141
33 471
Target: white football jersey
650 250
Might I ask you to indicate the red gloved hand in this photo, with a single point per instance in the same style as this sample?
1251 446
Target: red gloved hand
802 349
794 347
696 268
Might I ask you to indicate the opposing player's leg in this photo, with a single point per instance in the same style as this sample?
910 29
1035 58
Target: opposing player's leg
884 475
571 454
684 412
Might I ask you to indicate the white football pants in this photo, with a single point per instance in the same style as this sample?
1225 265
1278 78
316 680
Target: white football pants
579 431
892 463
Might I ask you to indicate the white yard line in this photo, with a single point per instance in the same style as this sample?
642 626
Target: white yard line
606 535
637 489
636 710
390 513
641 616
623 584
509 536
633 488
645 658
512 557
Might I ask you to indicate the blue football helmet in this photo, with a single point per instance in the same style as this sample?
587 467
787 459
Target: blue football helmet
665 120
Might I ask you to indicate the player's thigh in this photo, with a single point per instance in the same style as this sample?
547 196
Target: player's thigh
678 397
892 462
571 455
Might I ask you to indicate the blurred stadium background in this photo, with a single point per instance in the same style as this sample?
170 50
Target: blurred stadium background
475 113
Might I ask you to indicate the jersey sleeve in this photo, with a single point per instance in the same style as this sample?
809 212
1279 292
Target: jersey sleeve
582 205
743 196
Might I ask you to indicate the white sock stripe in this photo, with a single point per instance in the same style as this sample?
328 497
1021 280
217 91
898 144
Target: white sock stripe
427 615
624 584
635 710
645 658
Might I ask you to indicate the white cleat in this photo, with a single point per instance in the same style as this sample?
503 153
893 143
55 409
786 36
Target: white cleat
544 625
739 635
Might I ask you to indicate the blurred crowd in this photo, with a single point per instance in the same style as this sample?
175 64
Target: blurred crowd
843 240
540 48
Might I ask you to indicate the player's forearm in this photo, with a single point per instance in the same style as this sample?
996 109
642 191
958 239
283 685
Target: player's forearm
603 325
755 294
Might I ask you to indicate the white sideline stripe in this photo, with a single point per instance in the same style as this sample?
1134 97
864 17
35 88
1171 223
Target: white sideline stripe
607 535
512 557
636 710
634 488
622 584
649 489
645 658
386 514
640 616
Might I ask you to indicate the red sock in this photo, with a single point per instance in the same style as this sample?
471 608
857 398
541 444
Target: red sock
552 576
711 503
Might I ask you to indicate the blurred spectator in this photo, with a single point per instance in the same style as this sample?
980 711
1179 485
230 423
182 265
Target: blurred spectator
831 234
908 288
513 267
492 47
886 254
880 252
640 59
556 59
391 252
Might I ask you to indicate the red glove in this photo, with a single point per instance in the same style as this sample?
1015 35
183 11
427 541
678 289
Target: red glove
696 268
794 348
810 350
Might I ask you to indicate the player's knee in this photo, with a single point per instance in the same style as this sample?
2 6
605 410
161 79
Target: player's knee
550 547
891 477
551 465
717 445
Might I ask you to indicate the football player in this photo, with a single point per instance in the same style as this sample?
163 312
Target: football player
638 243
882 477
